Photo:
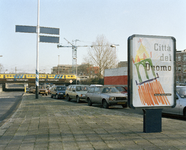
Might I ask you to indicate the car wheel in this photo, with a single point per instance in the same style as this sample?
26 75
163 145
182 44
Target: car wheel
51 96
57 96
184 112
77 99
105 104
68 98
124 105
89 102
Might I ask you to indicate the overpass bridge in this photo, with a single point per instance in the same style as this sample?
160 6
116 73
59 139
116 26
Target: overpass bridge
29 79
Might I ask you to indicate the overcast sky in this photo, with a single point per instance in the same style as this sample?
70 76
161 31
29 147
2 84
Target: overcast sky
83 20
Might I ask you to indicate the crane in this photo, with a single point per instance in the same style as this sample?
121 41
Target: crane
74 51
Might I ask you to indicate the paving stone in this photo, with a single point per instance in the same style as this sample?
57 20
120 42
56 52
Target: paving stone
47 123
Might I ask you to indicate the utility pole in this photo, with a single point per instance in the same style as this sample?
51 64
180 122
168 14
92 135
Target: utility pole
58 64
37 53
40 38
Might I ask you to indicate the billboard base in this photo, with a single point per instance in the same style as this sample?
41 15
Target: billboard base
152 120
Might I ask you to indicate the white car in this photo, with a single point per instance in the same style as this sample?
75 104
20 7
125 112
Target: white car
76 92
106 96
180 108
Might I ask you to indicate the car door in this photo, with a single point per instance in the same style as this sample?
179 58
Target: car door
73 92
89 93
96 95
69 91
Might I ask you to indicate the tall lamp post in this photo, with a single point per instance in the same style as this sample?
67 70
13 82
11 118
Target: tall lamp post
76 70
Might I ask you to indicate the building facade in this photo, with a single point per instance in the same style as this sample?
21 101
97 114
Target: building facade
62 69
83 71
123 64
181 66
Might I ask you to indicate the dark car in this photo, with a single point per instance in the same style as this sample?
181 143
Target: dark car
58 91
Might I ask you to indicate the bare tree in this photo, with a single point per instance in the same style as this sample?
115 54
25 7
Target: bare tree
102 55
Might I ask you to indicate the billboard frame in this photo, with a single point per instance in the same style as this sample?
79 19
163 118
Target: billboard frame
130 70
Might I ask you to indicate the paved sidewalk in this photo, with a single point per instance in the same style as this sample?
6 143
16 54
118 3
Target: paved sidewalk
53 124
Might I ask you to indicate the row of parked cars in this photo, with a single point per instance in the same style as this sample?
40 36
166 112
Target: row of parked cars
107 96
93 94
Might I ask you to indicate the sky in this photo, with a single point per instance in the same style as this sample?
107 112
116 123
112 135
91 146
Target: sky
83 20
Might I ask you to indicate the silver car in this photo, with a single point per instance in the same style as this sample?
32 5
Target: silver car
76 92
180 108
106 96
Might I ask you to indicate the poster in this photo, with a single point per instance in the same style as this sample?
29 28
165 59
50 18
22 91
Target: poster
151 71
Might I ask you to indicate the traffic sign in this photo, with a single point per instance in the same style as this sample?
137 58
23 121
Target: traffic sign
49 39
27 29
32 29
46 30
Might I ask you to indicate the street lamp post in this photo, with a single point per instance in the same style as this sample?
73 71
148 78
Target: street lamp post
76 70
114 46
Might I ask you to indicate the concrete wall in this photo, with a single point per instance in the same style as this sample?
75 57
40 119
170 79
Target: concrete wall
116 72
116 76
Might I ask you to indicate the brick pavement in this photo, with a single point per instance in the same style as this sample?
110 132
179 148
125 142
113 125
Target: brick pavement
53 124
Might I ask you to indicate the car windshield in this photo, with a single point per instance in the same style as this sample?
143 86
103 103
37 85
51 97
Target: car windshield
81 88
181 91
61 88
121 89
110 90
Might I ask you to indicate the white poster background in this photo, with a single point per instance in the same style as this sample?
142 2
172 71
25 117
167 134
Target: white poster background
160 57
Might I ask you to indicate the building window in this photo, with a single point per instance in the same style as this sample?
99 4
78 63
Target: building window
179 68
184 68
179 79
184 79
184 57
179 57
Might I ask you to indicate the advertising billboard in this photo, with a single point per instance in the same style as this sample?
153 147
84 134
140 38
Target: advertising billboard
151 71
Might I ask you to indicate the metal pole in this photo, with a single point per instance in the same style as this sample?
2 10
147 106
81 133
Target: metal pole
76 71
58 64
37 54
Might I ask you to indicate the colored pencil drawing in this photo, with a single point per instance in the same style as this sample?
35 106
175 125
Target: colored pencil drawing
150 90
